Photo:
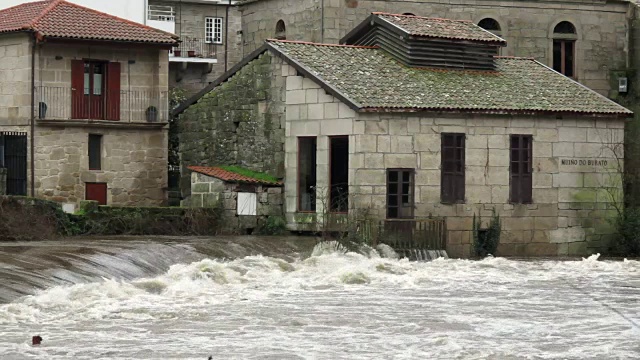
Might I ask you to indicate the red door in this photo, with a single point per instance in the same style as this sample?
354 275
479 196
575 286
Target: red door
97 192
95 90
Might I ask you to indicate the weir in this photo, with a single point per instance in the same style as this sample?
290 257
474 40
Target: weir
27 267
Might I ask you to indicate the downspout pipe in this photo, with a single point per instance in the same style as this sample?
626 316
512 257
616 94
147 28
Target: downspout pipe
33 119
226 38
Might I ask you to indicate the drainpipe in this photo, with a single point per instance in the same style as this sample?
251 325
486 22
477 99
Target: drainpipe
33 109
226 37
322 22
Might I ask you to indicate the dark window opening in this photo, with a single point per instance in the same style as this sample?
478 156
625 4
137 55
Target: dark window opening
339 173
521 169
489 24
564 27
307 174
563 56
400 193
95 152
452 168
564 48
13 157
281 30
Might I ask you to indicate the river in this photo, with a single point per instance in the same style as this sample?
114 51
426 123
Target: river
264 298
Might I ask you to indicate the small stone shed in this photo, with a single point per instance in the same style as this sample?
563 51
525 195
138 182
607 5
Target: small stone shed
247 200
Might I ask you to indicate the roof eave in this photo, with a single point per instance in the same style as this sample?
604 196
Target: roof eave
112 41
494 111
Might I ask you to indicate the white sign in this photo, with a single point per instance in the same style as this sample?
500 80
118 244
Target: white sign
247 203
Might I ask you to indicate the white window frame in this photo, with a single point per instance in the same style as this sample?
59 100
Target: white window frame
213 30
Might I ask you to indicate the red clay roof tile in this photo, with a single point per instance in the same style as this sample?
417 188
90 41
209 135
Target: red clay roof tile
61 19
229 176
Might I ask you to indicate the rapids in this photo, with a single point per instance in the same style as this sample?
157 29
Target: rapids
325 304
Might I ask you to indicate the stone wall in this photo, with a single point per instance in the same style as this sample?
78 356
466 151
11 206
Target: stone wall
602 26
207 191
190 23
241 122
572 197
144 75
133 163
15 80
302 18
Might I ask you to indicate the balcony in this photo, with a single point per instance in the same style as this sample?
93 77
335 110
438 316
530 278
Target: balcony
194 50
103 107
162 17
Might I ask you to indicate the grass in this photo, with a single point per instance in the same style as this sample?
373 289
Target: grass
249 173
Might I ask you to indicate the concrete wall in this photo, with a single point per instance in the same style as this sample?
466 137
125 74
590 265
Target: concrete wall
241 122
134 165
207 191
602 26
572 203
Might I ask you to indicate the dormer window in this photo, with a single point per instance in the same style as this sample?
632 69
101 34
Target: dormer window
491 25
564 48
422 42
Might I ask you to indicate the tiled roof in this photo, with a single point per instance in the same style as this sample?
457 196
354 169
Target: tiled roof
61 19
372 80
440 28
230 176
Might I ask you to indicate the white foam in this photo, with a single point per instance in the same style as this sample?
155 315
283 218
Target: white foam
342 306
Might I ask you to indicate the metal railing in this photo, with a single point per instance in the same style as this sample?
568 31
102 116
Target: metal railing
66 103
406 235
161 13
195 48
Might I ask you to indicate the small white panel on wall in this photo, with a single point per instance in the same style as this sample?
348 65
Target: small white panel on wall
247 203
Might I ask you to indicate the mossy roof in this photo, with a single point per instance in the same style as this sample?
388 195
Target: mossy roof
439 28
372 80
236 174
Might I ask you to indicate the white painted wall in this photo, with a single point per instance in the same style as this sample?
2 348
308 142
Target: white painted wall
134 10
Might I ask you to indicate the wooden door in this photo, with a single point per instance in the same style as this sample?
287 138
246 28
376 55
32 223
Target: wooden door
96 192
89 81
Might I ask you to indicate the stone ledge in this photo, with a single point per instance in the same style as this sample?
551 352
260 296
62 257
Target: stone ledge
102 124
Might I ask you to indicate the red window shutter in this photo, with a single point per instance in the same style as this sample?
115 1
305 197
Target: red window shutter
77 90
96 192
113 91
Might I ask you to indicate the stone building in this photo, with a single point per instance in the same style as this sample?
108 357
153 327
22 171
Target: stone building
588 40
247 199
415 117
210 39
84 105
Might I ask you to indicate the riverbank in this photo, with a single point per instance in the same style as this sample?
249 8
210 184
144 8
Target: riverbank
29 219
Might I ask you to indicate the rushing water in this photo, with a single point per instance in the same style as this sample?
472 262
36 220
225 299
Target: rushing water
329 305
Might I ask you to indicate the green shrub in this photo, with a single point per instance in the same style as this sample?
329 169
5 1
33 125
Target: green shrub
486 241
628 227
273 225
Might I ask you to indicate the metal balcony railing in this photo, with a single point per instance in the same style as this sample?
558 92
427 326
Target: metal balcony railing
66 103
161 13
196 48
